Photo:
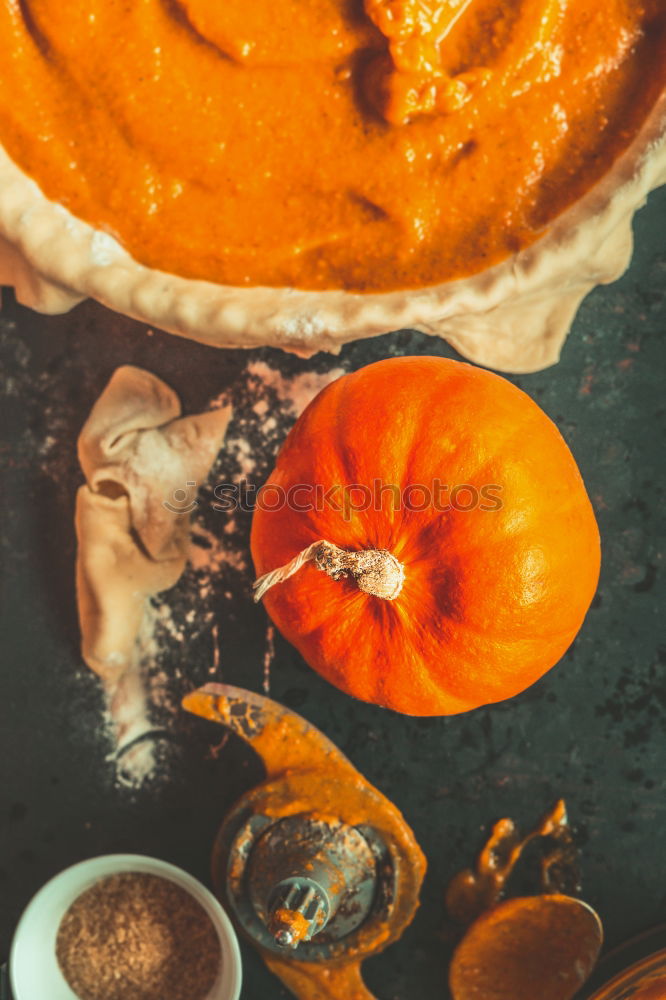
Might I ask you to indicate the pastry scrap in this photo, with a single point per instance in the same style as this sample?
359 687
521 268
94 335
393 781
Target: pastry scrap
142 461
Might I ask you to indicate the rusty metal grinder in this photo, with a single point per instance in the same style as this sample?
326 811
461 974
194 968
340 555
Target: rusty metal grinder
317 867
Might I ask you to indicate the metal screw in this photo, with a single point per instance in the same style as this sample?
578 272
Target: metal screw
284 938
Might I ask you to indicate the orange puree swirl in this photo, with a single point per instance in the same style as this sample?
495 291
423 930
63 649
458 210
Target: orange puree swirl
324 143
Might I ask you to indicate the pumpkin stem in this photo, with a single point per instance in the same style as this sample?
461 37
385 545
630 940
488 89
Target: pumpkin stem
375 571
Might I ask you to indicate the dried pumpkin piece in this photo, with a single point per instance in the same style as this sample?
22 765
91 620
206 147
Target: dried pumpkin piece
536 946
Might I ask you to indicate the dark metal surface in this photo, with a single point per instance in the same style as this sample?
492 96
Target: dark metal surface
593 730
5 993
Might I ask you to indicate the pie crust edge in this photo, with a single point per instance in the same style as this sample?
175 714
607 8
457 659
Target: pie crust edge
513 317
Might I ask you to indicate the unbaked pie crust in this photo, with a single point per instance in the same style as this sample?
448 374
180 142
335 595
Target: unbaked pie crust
513 317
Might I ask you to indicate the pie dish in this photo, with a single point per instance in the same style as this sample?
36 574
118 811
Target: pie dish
512 315
645 980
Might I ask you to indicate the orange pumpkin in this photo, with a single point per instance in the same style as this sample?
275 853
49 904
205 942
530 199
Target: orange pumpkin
463 551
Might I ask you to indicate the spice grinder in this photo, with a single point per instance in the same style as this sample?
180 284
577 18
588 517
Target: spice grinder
316 866
34 971
303 884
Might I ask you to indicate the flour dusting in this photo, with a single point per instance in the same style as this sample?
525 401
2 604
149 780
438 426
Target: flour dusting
269 656
296 390
182 644
192 633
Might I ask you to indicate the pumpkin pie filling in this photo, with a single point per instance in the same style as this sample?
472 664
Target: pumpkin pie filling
324 144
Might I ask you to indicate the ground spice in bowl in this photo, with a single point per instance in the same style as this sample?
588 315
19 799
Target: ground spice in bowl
134 936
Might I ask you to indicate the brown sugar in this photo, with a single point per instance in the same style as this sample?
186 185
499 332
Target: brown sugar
134 936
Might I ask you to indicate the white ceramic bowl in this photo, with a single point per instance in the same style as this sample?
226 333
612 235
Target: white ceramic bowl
33 968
